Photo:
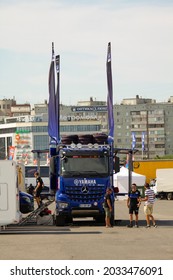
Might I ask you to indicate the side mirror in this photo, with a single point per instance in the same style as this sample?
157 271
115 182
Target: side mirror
116 164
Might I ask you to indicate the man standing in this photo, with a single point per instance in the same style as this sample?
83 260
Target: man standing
133 203
148 206
108 207
38 188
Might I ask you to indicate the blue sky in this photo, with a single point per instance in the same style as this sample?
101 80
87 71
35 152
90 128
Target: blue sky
141 34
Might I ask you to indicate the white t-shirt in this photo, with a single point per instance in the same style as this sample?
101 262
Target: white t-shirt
151 196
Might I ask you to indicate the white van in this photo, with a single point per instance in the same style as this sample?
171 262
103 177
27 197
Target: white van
9 193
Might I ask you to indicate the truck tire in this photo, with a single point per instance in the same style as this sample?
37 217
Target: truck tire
69 139
85 139
100 219
100 138
60 221
112 220
69 220
170 196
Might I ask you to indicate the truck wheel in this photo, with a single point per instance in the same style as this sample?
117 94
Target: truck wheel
60 221
100 219
68 139
112 220
170 196
100 138
85 139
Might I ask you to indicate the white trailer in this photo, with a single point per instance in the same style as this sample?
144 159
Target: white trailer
164 183
9 193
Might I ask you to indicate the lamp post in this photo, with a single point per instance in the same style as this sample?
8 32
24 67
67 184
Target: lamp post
130 168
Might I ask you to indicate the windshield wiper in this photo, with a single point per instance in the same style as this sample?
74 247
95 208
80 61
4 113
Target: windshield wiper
71 173
75 173
95 173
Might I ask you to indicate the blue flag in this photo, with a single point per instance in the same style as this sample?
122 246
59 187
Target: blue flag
57 96
52 114
110 94
143 141
133 140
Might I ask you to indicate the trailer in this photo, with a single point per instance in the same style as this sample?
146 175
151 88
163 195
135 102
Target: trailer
9 193
148 167
164 183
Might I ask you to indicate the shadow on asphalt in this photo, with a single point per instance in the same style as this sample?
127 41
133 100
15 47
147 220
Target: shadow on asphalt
121 223
43 229
160 223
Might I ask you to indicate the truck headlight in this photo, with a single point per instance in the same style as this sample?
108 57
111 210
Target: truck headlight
62 205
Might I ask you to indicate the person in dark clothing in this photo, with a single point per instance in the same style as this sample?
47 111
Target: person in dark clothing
38 188
108 207
133 203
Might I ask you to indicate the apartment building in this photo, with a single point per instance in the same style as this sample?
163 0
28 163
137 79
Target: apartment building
140 123
150 123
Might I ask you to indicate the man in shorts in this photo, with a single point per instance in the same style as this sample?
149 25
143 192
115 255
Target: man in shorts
148 206
133 203
108 207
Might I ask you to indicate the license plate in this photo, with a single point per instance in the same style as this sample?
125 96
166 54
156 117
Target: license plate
85 205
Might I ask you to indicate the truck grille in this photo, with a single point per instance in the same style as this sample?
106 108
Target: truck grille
89 195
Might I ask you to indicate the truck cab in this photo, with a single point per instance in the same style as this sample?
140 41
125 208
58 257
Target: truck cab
85 173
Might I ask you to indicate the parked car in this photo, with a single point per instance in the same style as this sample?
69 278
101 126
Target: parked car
26 202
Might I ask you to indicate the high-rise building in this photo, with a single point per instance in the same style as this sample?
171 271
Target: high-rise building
145 125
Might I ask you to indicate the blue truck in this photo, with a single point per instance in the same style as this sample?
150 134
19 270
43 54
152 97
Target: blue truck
81 166
85 171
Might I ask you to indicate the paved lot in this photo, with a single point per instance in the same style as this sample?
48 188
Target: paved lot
84 240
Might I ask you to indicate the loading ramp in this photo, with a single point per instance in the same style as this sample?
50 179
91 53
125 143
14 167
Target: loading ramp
33 215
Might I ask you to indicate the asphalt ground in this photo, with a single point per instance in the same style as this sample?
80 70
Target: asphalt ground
86 240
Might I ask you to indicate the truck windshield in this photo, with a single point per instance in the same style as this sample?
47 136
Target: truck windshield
84 166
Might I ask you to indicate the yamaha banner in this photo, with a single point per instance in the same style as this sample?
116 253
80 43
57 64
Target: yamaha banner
52 114
110 94
57 96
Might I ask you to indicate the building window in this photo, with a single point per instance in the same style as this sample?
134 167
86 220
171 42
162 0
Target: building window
2 148
119 126
41 142
39 129
7 130
79 128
